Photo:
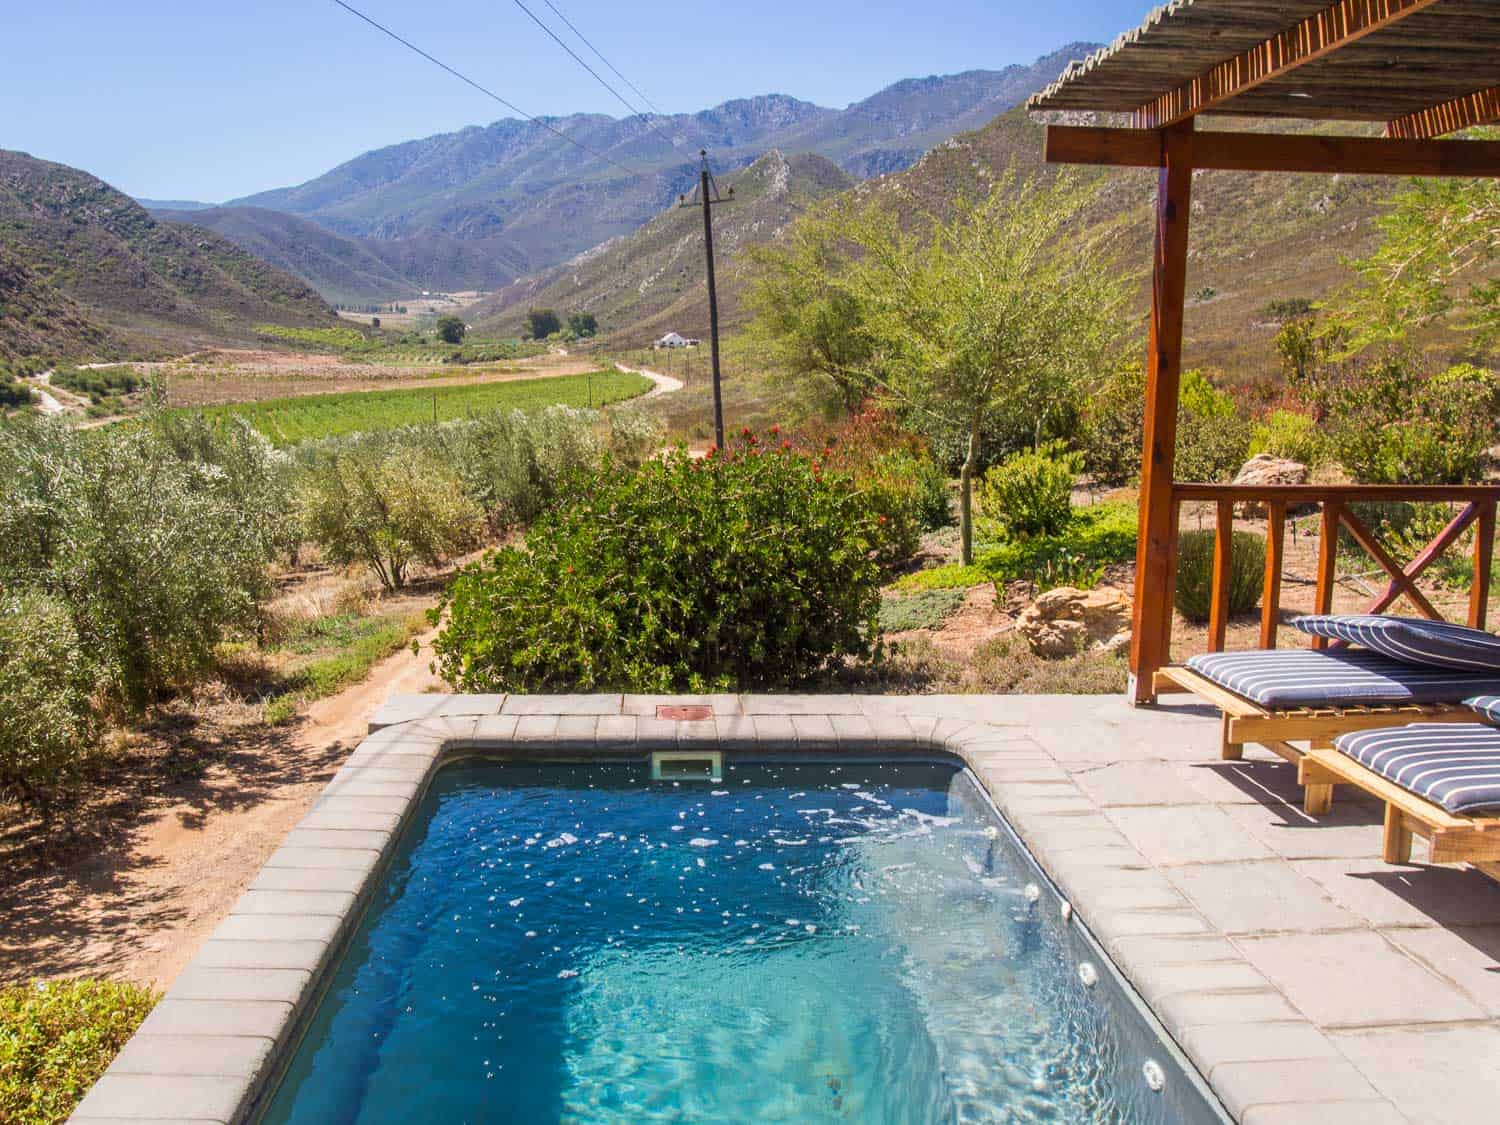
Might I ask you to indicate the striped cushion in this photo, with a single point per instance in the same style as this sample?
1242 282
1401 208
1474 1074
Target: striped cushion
1487 707
1286 678
1412 639
1456 765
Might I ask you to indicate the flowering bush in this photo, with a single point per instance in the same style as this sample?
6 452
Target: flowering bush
753 567
895 471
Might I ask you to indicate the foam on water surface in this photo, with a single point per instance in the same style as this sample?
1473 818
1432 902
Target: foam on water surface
545 948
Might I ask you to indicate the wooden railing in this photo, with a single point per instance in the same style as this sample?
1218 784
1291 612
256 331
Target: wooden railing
1477 511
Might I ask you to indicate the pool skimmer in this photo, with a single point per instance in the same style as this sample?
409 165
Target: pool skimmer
687 765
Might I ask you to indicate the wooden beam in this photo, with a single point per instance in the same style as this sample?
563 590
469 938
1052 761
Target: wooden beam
1151 635
1320 34
1275 152
1479 108
1484 558
1270 598
1328 551
1218 605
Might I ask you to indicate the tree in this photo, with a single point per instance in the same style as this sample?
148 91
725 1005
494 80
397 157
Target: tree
583 324
541 323
1438 242
994 317
451 329
806 313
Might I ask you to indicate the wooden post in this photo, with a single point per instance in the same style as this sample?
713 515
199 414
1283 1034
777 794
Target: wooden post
1218 605
1484 557
1151 638
1328 553
1270 599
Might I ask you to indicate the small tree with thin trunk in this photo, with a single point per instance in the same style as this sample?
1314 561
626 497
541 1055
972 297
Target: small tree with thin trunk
995 317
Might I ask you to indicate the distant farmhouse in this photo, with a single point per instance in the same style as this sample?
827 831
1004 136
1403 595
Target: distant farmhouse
673 340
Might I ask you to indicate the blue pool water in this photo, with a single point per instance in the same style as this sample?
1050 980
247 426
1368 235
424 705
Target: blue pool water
801 942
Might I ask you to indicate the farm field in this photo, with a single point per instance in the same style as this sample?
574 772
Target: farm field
287 421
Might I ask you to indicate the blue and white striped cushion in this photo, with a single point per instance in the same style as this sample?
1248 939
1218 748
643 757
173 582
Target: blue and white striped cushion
1286 678
1412 639
1456 765
1487 707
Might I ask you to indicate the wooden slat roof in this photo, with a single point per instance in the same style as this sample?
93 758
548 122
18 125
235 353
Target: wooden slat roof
1448 50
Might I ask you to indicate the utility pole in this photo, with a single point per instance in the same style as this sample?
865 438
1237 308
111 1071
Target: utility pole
708 193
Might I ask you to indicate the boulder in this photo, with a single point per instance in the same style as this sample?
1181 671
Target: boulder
1264 469
1067 620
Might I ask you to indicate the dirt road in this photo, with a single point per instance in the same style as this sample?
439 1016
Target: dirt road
139 910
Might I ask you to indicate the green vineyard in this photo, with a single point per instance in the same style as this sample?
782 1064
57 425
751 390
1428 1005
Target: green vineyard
287 421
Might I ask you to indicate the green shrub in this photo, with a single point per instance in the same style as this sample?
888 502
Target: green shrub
1195 572
953 576
1292 435
387 507
98 383
745 569
46 718
1096 537
925 609
1110 431
13 394
56 1038
1388 424
1213 441
1030 493
154 560
634 435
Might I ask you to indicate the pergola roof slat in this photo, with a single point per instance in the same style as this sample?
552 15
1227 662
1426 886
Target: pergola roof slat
1431 54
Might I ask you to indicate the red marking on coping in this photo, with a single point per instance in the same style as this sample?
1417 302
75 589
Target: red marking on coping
684 712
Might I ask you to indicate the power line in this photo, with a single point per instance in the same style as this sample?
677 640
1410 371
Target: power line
483 90
605 61
597 77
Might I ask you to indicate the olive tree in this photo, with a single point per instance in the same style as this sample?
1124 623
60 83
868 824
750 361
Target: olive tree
996 315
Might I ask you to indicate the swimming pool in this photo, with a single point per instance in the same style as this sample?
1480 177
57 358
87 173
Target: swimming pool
800 940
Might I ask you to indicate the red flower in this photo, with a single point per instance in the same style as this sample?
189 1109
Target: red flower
745 432
882 519
786 445
775 430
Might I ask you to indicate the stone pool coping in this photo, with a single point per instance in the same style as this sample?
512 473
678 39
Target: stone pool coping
222 1030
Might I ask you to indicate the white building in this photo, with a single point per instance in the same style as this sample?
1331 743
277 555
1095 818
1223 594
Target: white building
673 340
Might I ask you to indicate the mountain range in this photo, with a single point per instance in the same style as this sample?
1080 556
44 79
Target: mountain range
88 270
529 199
645 282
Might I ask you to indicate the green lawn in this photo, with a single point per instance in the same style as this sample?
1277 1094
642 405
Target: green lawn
287 421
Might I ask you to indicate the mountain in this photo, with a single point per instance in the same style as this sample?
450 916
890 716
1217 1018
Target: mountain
351 270
37 320
645 283
544 200
144 286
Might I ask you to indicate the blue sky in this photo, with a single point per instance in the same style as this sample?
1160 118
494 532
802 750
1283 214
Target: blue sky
197 100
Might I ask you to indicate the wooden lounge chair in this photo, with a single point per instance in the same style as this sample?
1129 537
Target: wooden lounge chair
1275 698
1440 782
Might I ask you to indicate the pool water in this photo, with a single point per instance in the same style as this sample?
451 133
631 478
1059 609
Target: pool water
801 942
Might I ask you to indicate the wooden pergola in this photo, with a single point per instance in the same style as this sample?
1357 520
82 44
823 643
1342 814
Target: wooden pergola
1423 68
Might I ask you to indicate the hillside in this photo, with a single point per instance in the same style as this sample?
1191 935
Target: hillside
37 320
543 200
350 270
133 285
1254 237
645 283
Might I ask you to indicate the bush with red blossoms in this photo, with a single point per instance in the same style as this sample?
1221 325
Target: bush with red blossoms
753 567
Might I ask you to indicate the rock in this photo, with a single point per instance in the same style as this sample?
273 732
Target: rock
1264 469
1067 620
1489 463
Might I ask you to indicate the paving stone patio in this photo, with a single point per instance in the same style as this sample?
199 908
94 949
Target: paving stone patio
1307 980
